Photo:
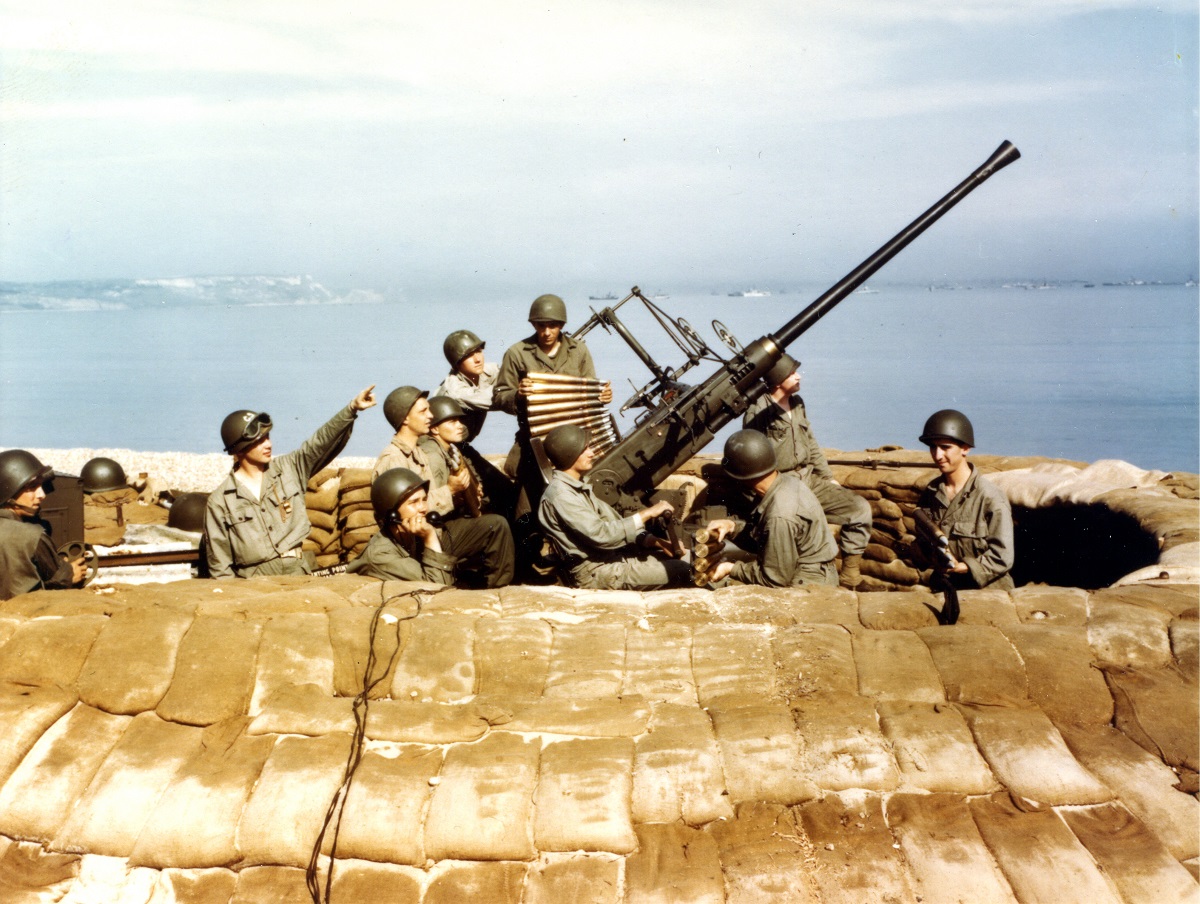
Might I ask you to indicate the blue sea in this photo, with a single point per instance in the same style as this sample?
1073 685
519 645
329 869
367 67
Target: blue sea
1067 371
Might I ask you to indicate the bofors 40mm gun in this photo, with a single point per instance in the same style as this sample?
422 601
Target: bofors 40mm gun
682 419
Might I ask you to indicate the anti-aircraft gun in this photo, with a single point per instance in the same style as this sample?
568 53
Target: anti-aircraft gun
682 419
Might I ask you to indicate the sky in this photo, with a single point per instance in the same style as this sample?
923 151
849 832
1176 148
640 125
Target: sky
473 145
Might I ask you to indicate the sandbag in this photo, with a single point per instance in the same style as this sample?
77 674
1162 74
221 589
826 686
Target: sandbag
1038 854
1029 756
934 748
905 611
214 672
623 718
272 885
673 864
350 641
582 798
677 772
573 879
361 881
658 663
194 823
1128 636
1063 682
437 661
1059 606
815 660
496 883
587 661
844 746
761 750
733 661
49 651
512 656
483 807
896 665
958 652
382 818
287 807
945 853
681 606
1185 646
132 662
1130 855
765 855
26 714
1157 708
110 815
857 859
30 874
295 649
1143 783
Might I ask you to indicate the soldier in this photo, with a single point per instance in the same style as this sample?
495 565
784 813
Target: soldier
780 414
447 428
787 529
408 547
255 521
548 350
483 539
471 381
602 550
968 508
28 560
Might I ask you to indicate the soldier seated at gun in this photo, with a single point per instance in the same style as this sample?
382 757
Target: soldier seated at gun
410 547
965 526
484 539
786 530
28 560
256 521
600 549
471 381
780 414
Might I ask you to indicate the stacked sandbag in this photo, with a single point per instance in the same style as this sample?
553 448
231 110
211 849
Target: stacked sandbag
104 516
355 518
892 493
321 500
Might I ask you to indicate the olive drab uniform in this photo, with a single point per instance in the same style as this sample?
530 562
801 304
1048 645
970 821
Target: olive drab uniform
573 360
598 545
28 560
796 450
248 536
978 523
476 399
411 560
417 459
790 536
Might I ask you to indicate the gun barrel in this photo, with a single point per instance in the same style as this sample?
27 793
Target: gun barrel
1003 156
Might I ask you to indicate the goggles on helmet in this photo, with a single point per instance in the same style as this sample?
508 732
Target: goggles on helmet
256 429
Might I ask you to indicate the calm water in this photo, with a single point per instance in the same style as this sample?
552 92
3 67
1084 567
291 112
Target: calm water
1073 372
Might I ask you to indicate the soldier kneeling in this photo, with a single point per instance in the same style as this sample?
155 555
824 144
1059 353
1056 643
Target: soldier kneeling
28 560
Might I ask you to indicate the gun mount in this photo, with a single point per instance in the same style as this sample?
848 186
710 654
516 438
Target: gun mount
686 418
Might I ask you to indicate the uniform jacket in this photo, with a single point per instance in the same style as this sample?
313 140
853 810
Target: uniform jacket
244 532
429 467
581 525
475 399
388 560
790 433
978 522
790 535
28 560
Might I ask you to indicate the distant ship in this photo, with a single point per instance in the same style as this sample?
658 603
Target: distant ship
608 297
750 293
866 290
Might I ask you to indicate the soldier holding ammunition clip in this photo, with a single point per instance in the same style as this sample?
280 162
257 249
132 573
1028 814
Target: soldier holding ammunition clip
471 381
971 540
255 521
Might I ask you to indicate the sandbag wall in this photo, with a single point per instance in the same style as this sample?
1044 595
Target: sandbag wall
339 508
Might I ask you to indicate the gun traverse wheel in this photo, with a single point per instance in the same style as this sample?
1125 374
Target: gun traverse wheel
76 550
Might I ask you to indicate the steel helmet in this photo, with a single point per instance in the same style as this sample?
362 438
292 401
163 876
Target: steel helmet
18 471
399 403
548 308
187 512
948 424
749 455
781 370
563 445
444 408
101 475
242 429
460 344
390 489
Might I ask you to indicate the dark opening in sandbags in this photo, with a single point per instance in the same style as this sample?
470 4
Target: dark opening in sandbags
1087 546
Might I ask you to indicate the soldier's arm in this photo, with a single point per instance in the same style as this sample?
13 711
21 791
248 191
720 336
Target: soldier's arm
220 553
504 396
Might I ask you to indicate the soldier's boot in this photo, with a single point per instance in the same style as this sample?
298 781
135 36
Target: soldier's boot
851 577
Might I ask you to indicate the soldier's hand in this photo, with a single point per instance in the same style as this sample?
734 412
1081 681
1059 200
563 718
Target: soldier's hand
720 572
79 570
525 387
606 394
459 481
662 507
365 399
722 527
419 527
